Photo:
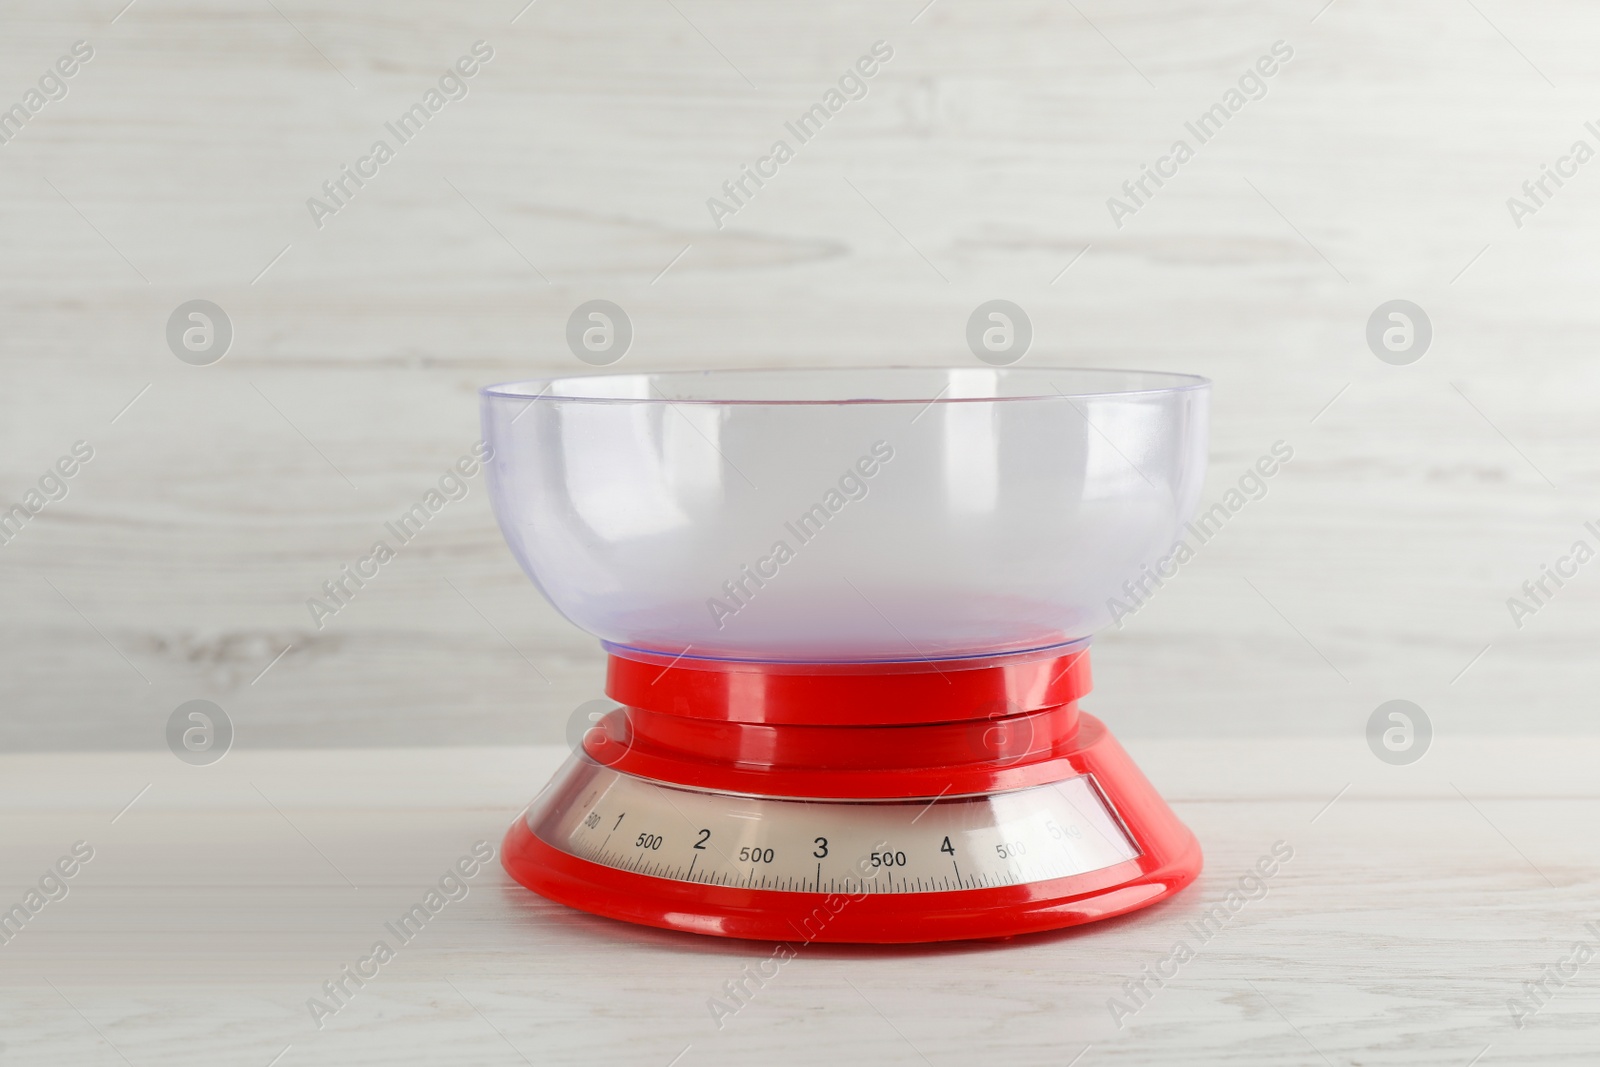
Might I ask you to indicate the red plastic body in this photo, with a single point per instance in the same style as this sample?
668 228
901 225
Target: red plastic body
906 730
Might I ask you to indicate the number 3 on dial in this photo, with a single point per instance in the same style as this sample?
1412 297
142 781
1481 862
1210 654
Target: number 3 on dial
822 848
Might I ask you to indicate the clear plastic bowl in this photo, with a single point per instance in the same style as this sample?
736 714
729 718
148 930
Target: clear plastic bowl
844 515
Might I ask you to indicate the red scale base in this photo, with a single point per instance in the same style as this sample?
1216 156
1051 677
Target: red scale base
871 732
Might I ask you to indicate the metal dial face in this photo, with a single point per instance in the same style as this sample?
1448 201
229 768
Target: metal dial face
830 846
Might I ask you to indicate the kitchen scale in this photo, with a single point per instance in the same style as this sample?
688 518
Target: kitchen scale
847 616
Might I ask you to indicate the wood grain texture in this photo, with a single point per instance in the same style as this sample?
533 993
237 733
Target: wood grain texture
1377 166
1415 905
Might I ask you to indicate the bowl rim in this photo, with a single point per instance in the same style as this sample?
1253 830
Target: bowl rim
536 389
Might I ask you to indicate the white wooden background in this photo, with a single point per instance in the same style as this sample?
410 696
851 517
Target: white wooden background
1377 167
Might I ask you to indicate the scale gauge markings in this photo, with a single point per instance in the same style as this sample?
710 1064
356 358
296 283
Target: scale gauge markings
947 843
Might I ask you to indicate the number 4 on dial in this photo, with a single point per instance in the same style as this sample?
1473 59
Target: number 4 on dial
947 847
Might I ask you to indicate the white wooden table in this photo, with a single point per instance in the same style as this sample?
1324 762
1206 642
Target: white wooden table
223 897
